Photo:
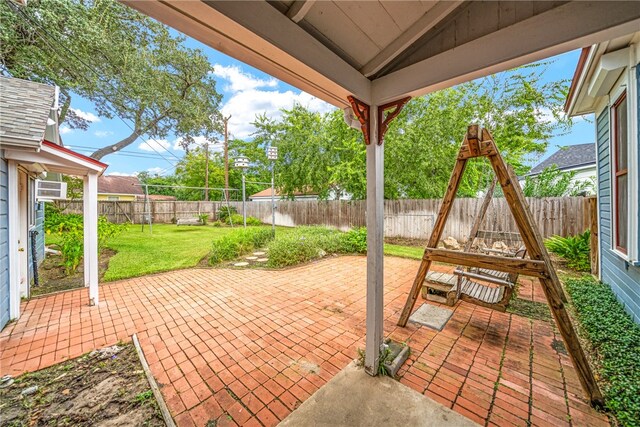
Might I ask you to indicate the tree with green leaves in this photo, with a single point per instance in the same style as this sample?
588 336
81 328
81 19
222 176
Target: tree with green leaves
190 171
552 182
319 152
127 64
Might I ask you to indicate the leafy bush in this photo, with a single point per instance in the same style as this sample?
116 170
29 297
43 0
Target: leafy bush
72 248
234 219
204 218
553 182
70 227
225 211
108 230
575 249
307 243
238 220
616 340
251 220
238 243
355 240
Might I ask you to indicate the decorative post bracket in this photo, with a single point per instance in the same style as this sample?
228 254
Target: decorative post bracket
388 112
361 111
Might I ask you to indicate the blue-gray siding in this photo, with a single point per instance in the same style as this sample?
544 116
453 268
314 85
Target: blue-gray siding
4 244
623 278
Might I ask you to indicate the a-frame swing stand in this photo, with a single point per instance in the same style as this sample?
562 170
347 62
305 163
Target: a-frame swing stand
480 143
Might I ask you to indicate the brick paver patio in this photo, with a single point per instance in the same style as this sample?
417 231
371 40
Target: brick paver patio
246 347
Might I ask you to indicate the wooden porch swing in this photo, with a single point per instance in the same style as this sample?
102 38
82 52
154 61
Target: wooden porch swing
486 287
499 269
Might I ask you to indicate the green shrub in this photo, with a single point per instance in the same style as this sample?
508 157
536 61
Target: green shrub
70 227
355 241
307 243
575 249
107 230
616 340
225 211
234 219
251 220
71 248
204 218
238 243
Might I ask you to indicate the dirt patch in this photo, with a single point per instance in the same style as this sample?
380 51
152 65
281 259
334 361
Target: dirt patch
91 390
530 309
53 277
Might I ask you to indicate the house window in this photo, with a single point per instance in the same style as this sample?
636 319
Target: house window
620 173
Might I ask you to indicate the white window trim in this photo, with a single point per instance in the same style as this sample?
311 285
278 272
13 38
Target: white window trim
627 82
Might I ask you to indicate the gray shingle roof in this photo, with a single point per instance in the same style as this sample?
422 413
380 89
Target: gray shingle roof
24 110
568 157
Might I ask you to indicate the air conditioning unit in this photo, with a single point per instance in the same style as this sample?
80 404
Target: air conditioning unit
50 190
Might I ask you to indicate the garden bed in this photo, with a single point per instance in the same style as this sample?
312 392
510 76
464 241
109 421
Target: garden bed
93 390
53 277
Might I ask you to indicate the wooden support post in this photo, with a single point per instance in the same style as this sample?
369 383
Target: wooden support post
90 200
593 239
436 233
375 246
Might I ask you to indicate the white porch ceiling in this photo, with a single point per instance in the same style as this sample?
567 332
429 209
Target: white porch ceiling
380 51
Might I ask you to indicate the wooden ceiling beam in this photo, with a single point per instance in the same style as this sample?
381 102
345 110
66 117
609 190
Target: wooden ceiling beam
570 26
429 20
299 10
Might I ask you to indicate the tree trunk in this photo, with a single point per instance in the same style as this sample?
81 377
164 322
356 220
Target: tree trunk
110 149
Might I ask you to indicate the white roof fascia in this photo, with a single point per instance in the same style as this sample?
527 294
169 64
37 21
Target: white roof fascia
259 35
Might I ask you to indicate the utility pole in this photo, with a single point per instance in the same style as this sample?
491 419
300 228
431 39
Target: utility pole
206 171
226 157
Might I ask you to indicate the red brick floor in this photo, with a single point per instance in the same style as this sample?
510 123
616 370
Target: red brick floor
246 347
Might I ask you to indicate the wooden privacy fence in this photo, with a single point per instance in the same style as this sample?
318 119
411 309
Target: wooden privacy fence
411 219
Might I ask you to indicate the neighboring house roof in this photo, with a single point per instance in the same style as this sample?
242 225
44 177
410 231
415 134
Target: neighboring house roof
267 193
570 157
113 184
25 107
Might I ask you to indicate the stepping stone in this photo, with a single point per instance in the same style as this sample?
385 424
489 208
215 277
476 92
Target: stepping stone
252 258
258 253
263 259
431 316
241 264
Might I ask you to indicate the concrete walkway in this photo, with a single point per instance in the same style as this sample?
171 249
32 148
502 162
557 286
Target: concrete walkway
354 399
247 347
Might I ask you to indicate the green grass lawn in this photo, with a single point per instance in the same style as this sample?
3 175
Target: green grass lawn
413 252
170 247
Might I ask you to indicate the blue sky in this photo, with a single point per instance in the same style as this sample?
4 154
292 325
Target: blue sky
246 92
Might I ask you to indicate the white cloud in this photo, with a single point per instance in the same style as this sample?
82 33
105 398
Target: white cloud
122 174
239 80
103 133
156 170
155 145
90 117
198 141
244 106
65 130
